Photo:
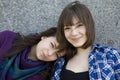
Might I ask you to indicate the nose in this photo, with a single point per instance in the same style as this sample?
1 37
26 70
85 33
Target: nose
74 32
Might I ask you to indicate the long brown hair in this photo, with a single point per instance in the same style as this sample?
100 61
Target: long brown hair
81 12
22 42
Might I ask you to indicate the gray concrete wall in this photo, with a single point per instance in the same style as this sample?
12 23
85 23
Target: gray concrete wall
30 16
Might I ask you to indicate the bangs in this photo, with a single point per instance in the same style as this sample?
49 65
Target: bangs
71 13
68 18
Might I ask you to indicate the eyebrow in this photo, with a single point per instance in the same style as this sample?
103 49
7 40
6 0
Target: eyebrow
77 23
53 44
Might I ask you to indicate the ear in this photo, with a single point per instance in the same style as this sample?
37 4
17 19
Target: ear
43 37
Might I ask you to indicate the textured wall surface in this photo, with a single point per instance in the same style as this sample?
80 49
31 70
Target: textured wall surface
30 16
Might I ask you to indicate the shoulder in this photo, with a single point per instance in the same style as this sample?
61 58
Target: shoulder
6 32
57 68
59 63
6 39
109 52
105 49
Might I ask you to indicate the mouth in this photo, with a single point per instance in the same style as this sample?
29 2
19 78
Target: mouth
42 53
76 39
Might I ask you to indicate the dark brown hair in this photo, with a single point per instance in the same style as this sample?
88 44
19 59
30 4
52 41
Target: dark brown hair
22 42
81 12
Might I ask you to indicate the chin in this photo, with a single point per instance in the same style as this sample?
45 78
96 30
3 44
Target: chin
40 59
78 45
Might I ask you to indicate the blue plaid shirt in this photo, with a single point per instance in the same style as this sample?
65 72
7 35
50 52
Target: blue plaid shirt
104 64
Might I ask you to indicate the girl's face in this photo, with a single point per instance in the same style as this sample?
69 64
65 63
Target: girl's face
46 49
76 34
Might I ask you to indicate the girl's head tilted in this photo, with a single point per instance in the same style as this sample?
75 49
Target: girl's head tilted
75 11
47 47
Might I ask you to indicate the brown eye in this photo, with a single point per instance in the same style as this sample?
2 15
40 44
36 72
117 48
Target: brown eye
66 28
52 45
80 24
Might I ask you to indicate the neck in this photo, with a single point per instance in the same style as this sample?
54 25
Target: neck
32 54
84 51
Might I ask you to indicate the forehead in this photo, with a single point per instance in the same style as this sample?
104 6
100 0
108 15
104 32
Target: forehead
75 21
52 38
72 21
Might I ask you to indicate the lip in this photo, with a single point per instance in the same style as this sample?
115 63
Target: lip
76 39
42 53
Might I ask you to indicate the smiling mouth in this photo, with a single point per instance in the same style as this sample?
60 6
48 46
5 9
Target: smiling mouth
76 39
42 53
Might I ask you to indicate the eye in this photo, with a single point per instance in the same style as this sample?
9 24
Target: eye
53 45
67 28
80 24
